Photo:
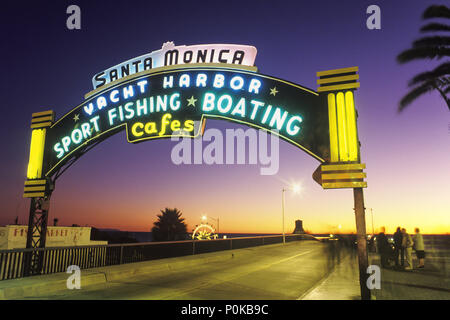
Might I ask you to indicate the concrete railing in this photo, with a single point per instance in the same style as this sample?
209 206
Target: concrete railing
57 259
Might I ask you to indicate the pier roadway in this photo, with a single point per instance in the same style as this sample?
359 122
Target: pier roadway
276 271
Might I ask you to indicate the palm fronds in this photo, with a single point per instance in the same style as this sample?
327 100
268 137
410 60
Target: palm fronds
436 11
435 27
430 47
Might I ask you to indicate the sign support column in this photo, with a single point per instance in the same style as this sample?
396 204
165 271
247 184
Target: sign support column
344 169
37 234
38 188
363 263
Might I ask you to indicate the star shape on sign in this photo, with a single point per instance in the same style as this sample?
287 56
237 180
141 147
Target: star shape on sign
273 91
191 101
77 117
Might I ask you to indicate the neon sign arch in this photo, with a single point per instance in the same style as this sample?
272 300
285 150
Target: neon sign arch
165 100
164 103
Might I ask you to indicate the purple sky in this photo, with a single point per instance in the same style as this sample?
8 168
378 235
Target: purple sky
120 185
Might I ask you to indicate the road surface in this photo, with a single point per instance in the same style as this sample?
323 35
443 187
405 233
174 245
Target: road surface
286 272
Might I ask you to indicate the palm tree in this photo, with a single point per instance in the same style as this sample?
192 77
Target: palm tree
430 47
170 226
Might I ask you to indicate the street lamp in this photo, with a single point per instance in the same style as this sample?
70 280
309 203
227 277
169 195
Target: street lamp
205 218
296 189
373 230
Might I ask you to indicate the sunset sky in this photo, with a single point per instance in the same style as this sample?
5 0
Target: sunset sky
123 186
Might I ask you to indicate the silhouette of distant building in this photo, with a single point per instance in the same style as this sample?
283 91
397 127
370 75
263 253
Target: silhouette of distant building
299 227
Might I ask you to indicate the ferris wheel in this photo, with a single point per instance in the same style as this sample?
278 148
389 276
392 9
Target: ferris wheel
204 231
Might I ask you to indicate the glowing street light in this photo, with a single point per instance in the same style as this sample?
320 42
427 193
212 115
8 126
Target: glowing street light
294 188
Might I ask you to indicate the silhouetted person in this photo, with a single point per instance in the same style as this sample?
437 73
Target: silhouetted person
398 250
407 244
354 246
331 254
420 248
383 247
372 244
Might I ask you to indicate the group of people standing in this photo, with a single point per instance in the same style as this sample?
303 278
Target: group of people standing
401 251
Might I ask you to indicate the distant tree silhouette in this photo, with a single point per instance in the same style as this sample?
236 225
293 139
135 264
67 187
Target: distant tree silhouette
170 226
430 47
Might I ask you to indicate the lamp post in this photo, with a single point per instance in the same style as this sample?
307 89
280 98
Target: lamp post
373 230
295 188
282 211
205 218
